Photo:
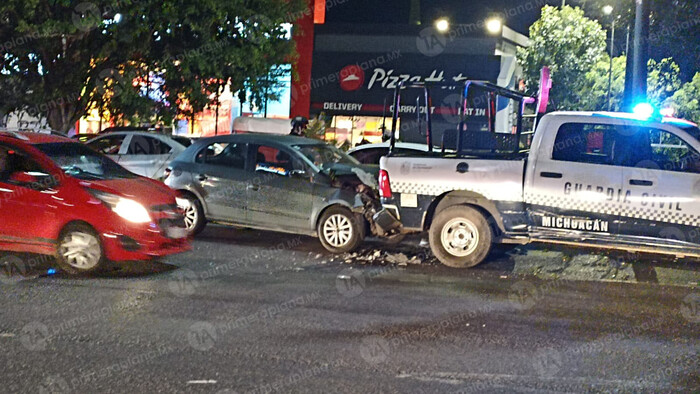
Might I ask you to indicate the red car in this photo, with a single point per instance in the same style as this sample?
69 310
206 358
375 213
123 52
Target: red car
59 197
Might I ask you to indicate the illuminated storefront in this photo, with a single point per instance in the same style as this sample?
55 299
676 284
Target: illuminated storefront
357 68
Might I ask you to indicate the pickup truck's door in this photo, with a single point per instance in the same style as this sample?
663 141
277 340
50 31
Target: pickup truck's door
574 189
662 173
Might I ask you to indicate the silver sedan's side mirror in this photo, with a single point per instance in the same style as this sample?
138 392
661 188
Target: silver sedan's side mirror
299 174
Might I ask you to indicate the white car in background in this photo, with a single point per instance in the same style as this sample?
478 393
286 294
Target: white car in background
143 153
371 153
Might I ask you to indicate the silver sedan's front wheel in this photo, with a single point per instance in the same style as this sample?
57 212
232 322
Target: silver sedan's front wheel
80 249
340 230
337 230
194 213
191 215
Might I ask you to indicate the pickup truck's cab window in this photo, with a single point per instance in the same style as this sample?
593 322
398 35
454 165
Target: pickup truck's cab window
585 143
657 149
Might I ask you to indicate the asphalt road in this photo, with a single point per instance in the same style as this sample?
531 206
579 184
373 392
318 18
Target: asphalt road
250 311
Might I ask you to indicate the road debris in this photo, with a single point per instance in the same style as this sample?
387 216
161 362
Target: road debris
402 256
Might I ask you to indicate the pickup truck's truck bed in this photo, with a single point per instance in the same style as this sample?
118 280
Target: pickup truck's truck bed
417 181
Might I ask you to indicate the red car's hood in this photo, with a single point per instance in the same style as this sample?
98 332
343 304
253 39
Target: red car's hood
147 191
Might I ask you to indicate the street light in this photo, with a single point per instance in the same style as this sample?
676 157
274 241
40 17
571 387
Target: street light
442 25
494 25
608 10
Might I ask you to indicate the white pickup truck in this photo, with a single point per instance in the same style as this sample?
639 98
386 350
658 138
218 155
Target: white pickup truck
607 180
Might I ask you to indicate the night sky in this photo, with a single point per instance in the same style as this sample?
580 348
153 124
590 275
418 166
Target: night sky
458 11
683 48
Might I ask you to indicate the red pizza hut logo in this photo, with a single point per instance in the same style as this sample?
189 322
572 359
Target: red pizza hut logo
352 78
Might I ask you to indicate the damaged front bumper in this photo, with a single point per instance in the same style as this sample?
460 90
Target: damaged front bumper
382 221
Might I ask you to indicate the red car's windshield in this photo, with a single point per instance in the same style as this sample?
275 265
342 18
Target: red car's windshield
81 162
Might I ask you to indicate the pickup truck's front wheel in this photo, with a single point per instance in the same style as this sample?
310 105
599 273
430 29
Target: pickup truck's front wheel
460 237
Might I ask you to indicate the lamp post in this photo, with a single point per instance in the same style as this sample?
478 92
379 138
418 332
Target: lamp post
608 10
442 25
494 25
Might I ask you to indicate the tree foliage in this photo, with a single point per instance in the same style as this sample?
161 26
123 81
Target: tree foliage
64 57
687 100
594 93
570 44
663 81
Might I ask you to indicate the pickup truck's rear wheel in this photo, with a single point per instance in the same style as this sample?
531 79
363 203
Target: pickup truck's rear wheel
460 237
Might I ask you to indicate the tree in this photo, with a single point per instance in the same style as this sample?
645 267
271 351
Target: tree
594 92
570 44
687 100
662 82
69 59
48 50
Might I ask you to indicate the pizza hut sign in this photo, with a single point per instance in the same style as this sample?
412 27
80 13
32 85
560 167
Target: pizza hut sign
352 78
388 79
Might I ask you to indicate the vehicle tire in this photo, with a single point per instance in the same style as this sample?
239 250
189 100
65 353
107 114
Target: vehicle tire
80 250
194 215
460 237
340 230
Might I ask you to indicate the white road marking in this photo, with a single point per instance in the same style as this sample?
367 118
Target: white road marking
6 335
201 382
457 378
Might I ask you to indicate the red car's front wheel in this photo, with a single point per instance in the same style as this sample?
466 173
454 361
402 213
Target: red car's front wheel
80 249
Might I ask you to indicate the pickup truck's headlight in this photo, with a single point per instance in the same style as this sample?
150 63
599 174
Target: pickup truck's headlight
126 208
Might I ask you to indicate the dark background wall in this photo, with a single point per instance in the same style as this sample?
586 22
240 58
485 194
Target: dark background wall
459 11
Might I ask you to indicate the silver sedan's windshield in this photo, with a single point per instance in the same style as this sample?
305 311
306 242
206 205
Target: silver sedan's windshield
324 156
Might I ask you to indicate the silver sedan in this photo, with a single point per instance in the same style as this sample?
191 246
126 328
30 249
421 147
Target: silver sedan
272 182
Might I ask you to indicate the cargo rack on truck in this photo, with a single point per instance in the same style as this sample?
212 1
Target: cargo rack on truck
461 140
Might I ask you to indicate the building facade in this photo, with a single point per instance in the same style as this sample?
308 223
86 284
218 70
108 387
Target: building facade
355 68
